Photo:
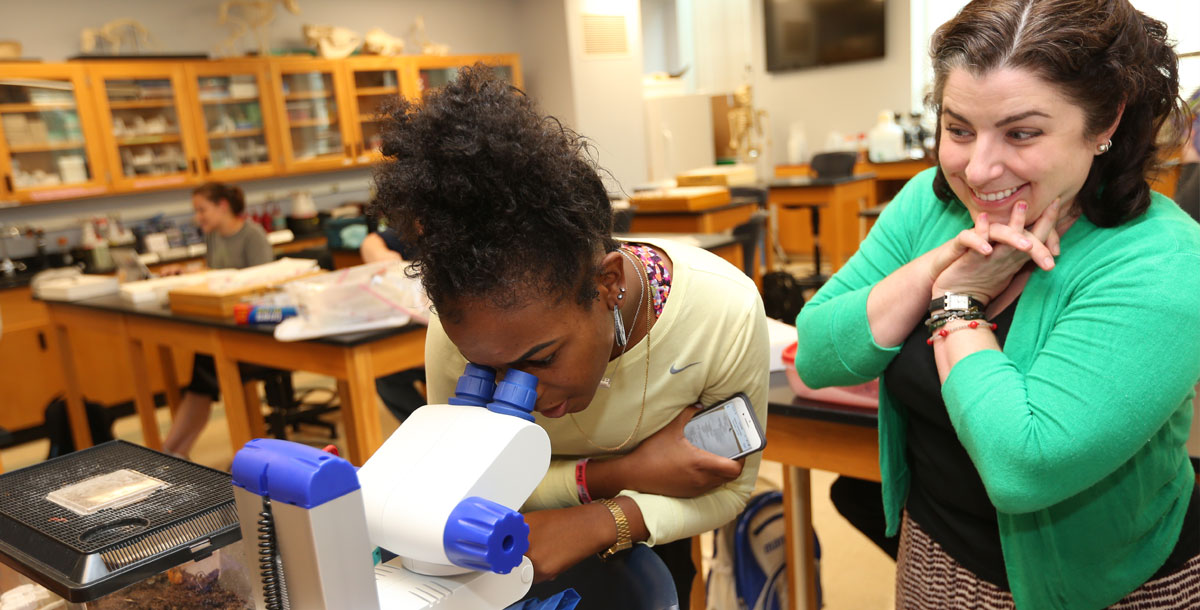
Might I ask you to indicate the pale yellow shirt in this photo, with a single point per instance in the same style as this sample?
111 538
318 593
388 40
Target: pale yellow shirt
713 334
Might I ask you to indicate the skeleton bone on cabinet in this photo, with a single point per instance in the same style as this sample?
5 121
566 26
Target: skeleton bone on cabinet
244 16
330 41
116 36
379 42
417 35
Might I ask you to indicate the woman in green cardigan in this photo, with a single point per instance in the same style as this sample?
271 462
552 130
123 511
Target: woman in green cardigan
1032 310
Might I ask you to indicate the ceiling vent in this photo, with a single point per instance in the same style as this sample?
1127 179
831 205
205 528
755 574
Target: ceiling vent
604 35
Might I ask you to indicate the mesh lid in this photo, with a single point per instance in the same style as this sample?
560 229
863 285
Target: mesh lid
148 512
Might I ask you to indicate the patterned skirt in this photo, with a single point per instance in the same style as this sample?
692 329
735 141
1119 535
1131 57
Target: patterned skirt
928 578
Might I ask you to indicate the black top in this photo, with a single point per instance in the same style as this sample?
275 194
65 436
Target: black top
947 497
394 243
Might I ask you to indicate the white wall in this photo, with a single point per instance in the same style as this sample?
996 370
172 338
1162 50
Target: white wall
545 63
660 41
846 98
50 30
608 93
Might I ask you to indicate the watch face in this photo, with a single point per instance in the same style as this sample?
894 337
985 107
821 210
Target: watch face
960 302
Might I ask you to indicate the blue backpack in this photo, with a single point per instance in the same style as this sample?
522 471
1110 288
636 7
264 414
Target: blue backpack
759 554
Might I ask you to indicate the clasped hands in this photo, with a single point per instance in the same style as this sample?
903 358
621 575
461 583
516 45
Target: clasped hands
982 261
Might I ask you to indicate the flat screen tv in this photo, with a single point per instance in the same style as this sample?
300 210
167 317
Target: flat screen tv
809 33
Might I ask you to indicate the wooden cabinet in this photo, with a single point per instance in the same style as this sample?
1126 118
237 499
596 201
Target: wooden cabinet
31 365
51 144
148 131
427 72
310 101
374 83
84 129
30 373
237 130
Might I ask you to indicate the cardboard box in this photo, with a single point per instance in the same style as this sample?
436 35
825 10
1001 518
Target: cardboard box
681 199
719 175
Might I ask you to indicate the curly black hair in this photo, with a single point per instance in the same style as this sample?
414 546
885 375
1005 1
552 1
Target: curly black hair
500 203
1100 54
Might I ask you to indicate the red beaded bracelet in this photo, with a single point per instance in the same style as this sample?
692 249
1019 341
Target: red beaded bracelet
946 331
581 481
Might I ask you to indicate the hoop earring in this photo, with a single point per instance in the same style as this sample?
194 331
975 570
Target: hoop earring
618 327
1103 148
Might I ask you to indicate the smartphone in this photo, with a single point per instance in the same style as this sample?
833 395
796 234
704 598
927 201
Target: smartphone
728 429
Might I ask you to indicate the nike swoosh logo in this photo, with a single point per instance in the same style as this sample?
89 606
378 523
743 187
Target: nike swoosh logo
675 370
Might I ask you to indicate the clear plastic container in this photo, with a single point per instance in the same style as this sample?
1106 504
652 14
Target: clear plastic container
366 294
219 581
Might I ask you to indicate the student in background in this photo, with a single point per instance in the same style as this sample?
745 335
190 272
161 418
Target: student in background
403 392
1187 191
232 243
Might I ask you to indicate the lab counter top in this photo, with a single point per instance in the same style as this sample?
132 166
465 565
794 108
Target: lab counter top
115 303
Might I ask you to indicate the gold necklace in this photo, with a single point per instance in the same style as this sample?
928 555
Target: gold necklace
645 281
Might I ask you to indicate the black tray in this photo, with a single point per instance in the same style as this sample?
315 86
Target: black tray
85 557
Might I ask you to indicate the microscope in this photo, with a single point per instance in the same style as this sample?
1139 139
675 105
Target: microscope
442 494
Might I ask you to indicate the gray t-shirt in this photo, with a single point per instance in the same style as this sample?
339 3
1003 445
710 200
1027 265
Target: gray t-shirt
246 248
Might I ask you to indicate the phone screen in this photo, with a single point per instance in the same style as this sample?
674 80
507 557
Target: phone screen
727 430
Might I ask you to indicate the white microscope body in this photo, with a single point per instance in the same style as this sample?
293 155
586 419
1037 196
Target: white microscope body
442 493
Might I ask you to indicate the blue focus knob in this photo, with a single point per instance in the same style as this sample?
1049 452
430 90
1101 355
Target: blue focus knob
516 395
475 386
483 535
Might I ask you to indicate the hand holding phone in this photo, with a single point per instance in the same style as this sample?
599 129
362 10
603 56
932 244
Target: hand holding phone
728 429
668 464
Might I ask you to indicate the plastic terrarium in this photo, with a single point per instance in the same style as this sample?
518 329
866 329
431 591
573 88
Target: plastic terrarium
119 526
218 582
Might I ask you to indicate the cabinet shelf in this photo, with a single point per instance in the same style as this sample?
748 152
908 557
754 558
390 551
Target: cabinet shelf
308 95
15 108
313 123
47 147
228 100
157 138
136 104
240 133
393 90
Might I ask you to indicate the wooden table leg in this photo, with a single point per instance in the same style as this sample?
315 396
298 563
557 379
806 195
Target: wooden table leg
230 381
170 379
699 598
360 410
797 508
143 397
81 433
258 424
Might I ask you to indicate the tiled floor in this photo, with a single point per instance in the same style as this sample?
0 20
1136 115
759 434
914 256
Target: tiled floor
855 575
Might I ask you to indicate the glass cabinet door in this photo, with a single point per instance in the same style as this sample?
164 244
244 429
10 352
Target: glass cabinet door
149 140
373 87
236 139
49 144
433 72
314 136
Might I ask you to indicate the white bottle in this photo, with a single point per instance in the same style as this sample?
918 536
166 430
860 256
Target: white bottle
797 144
885 142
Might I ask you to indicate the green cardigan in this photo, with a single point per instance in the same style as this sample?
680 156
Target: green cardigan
1078 427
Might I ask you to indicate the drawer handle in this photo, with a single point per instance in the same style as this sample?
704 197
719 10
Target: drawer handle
42 340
